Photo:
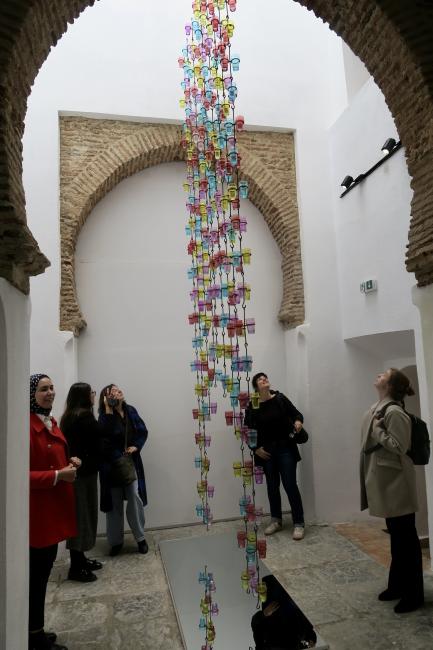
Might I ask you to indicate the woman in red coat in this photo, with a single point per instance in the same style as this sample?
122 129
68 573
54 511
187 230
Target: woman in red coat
52 503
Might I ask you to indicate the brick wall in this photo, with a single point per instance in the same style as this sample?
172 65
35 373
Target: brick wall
96 154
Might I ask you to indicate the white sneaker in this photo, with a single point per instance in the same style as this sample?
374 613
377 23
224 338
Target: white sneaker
298 532
273 527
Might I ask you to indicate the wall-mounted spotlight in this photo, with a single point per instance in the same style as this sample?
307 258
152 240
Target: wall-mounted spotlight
389 146
389 149
347 182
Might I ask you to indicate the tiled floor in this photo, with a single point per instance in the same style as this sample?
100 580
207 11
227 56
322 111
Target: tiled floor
333 576
372 539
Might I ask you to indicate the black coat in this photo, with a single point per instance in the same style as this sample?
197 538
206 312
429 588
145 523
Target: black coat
283 436
83 435
287 628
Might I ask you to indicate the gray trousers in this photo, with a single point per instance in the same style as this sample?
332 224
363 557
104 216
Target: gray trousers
134 514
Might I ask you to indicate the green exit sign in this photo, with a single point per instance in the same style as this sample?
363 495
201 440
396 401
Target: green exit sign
368 286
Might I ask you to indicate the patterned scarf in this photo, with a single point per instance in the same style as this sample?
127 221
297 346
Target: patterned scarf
34 406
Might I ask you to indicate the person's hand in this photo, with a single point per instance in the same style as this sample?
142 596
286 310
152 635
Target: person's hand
130 450
108 408
271 608
298 425
262 453
75 462
68 473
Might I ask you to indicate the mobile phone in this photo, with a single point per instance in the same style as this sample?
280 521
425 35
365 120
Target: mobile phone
112 401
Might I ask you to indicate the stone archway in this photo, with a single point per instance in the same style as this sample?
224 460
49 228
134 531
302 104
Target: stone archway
112 150
393 39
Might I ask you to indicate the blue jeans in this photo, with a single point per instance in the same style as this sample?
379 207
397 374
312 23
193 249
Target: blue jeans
283 464
134 514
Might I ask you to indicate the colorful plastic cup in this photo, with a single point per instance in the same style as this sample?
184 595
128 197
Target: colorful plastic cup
228 417
241 535
237 468
235 61
252 440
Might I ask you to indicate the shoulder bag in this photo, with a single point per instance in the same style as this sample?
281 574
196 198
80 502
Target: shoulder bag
122 472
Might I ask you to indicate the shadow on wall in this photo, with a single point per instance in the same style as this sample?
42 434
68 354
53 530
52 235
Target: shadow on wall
3 426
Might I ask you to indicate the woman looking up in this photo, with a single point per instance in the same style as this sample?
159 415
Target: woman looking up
52 504
279 425
388 486
82 433
122 475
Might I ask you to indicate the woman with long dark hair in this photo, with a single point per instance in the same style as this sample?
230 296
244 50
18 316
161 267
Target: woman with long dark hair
82 433
52 503
122 475
388 486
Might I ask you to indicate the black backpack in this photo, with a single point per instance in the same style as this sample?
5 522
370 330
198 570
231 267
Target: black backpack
419 450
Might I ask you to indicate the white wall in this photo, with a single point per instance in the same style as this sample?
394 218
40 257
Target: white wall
134 293
352 336
372 221
14 458
355 71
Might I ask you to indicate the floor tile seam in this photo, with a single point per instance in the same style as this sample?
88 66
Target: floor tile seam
325 564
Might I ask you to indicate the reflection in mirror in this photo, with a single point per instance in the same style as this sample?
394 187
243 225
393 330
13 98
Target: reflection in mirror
280 624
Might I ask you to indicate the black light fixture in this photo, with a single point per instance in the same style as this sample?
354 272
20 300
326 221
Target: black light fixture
389 146
347 182
389 149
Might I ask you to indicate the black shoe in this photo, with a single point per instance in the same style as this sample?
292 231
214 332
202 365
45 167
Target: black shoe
407 605
50 637
93 565
388 595
142 547
39 641
44 641
115 550
81 575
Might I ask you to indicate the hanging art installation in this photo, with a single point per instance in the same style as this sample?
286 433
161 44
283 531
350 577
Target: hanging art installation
215 231
208 608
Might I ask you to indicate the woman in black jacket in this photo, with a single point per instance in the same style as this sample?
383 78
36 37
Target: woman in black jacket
82 433
279 426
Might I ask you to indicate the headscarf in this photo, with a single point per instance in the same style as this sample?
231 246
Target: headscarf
34 406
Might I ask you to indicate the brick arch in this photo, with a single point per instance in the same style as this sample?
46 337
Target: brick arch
153 144
393 39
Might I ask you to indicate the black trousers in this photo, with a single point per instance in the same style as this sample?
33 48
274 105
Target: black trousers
41 563
405 573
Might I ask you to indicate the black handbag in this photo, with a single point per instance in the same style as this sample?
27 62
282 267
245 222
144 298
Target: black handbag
122 472
300 437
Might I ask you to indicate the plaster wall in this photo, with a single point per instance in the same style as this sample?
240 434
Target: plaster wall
132 283
364 333
371 221
14 448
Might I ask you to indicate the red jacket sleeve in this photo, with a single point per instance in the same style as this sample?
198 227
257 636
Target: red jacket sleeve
42 479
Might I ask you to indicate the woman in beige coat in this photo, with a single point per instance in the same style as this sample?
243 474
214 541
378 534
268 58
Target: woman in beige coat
388 487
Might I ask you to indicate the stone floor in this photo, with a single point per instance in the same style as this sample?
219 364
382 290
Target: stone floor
328 574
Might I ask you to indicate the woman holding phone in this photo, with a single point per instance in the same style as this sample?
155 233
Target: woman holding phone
122 475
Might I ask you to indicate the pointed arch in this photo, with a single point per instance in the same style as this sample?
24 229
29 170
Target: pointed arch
153 144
